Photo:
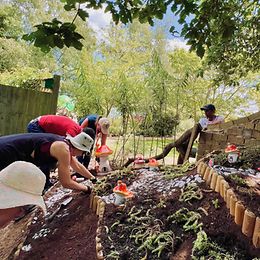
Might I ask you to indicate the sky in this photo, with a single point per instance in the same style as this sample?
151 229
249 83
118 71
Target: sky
98 20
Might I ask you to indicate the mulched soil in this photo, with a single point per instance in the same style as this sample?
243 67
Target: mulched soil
118 232
72 233
249 159
248 195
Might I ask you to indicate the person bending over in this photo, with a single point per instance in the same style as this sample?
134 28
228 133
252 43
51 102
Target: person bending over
44 150
21 184
100 125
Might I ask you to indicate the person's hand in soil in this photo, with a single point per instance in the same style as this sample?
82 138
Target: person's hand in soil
87 191
94 180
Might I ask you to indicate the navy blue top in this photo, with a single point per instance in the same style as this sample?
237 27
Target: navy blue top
19 147
91 121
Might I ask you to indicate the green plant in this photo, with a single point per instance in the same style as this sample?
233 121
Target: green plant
173 172
188 219
192 191
237 180
161 204
215 203
204 248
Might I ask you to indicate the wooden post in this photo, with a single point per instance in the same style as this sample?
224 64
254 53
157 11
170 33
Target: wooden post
191 141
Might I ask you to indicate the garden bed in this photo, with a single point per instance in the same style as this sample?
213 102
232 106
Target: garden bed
169 211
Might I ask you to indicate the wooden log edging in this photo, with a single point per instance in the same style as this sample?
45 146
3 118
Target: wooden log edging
249 223
98 207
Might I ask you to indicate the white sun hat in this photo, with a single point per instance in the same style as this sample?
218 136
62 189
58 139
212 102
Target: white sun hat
81 141
21 183
104 124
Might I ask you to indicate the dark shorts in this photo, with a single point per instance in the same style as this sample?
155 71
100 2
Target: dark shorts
33 126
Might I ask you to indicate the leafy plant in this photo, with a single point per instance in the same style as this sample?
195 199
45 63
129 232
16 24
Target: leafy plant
237 180
190 192
215 203
188 219
204 248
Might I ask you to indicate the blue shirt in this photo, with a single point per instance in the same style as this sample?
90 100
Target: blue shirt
91 121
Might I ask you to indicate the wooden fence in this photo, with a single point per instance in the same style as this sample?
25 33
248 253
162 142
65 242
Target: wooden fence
19 105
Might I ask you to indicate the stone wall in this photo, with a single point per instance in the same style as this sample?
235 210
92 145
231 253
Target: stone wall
242 132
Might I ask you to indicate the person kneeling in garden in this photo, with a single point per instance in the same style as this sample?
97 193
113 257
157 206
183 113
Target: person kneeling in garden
45 150
21 184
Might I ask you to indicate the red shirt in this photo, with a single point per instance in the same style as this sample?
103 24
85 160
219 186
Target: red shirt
60 125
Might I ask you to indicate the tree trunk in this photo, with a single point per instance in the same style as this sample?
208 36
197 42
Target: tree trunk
181 145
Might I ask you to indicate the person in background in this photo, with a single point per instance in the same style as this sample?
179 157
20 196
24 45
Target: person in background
101 127
44 150
211 118
203 123
59 125
21 184
99 124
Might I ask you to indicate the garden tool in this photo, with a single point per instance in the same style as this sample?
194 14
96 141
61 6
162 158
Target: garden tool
62 205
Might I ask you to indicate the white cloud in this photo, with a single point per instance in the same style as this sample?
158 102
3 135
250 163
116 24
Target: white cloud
98 19
177 43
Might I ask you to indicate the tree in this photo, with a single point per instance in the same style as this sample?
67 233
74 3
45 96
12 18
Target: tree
226 32
19 62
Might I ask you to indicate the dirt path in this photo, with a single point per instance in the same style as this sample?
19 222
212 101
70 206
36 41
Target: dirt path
71 235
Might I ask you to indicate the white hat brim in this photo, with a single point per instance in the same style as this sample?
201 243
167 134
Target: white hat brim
11 198
77 145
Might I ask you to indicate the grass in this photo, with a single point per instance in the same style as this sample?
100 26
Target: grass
147 146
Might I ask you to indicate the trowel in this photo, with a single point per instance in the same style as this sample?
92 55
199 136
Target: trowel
62 205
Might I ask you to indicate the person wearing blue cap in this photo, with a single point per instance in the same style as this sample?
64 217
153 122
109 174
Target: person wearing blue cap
211 118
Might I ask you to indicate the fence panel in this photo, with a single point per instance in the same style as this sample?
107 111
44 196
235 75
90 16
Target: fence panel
18 106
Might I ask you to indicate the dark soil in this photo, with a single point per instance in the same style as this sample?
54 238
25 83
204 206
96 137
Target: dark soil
249 159
248 195
72 233
120 232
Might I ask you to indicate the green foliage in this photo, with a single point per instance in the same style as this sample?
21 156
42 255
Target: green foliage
20 64
239 181
205 248
158 125
176 171
55 34
188 219
215 203
226 32
191 192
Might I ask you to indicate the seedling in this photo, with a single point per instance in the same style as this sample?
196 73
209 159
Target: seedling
192 191
188 219
215 203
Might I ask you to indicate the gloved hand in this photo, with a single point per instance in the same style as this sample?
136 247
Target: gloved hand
88 191
94 180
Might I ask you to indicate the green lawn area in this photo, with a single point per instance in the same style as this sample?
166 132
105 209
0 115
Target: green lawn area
148 146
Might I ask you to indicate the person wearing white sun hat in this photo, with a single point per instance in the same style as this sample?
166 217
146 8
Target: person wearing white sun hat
43 150
21 184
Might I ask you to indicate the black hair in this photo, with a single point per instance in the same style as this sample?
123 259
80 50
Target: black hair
89 131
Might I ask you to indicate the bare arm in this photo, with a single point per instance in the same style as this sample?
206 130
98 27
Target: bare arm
80 168
60 151
84 123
